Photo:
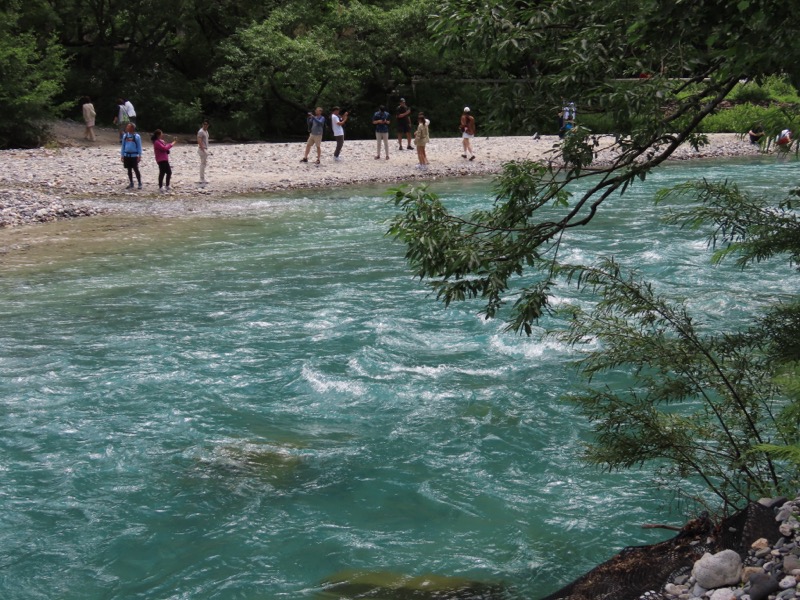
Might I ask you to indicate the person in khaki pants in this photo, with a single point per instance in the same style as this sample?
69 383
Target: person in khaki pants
202 150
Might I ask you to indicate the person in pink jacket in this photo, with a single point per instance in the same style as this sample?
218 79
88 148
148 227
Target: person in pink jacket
161 150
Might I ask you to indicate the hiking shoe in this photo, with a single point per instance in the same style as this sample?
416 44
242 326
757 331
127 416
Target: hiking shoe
472 157
140 186
410 148
129 186
463 156
303 160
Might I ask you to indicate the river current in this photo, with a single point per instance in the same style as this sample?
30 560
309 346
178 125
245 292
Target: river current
249 404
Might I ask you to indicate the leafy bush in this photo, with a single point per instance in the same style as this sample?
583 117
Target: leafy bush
740 118
774 88
749 92
780 89
32 73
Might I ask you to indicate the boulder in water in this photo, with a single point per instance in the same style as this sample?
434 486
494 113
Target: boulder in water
382 585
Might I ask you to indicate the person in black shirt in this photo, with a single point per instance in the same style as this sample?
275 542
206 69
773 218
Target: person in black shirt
403 115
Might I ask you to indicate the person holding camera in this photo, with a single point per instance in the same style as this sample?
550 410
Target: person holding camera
337 124
381 121
316 125
161 152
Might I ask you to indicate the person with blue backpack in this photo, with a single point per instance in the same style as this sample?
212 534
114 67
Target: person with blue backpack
131 153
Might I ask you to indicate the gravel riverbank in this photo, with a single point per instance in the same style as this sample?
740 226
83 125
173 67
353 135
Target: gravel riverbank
82 178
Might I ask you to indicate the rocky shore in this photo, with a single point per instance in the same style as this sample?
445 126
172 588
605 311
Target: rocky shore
78 178
768 572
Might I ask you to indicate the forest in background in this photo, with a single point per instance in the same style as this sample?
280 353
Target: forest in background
252 66
256 67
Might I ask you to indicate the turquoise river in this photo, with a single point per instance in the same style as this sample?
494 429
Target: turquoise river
256 400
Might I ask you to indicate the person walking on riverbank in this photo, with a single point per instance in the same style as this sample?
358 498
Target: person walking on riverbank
161 151
381 121
316 127
337 124
129 110
421 138
202 150
121 119
467 126
131 153
89 116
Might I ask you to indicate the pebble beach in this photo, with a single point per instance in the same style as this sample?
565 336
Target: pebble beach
75 178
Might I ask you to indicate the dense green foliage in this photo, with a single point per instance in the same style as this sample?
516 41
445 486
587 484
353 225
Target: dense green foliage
32 73
740 439
255 68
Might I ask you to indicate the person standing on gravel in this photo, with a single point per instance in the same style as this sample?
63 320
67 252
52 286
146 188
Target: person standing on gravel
131 153
202 150
381 121
121 120
316 127
161 152
467 127
337 124
403 116
89 115
421 139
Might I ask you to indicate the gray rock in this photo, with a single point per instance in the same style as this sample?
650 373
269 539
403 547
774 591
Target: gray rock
790 563
761 586
785 512
717 570
772 502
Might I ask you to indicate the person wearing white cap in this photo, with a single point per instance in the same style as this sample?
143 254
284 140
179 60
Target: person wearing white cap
467 133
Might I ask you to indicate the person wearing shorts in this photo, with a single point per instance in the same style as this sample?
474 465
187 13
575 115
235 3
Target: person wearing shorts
131 153
403 115
467 127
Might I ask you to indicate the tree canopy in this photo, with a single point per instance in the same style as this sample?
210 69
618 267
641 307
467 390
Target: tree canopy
256 67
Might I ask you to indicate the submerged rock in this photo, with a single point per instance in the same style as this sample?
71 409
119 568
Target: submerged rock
383 585
276 465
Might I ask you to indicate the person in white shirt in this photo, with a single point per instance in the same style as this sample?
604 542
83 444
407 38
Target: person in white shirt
337 123
130 111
